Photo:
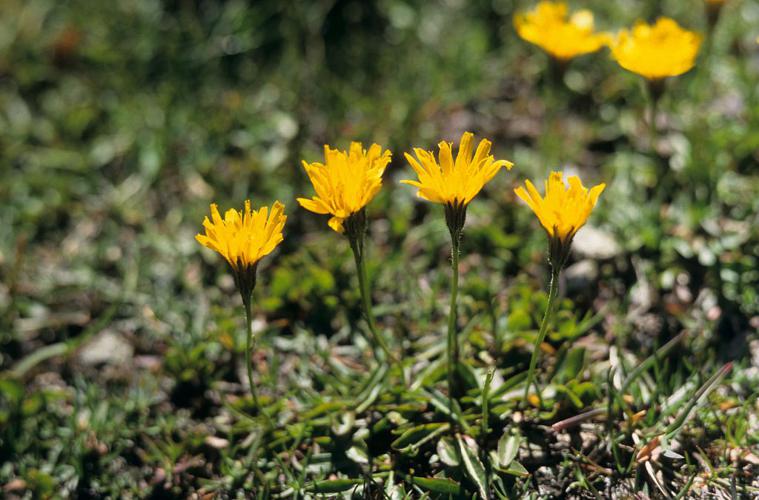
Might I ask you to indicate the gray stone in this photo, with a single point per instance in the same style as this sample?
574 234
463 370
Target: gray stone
594 243
581 274
107 348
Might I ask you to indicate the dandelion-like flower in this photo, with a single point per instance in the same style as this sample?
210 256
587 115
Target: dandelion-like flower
454 182
656 51
563 210
243 238
346 182
564 37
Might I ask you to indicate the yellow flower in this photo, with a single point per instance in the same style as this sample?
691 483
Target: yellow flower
454 183
656 51
346 182
563 211
245 237
548 27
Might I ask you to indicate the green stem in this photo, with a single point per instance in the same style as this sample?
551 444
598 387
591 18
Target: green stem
553 291
654 9
652 132
654 92
249 347
452 345
357 245
484 428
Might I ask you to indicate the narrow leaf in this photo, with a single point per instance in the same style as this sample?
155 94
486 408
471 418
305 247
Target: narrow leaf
333 485
436 484
472 465
515 469
508 447
446 450
419 435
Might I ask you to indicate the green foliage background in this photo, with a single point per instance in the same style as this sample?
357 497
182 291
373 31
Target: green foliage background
121 121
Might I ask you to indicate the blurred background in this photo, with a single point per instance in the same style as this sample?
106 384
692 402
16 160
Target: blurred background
121 121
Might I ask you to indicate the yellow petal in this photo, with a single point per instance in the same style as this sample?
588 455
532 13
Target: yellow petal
452 181
346 182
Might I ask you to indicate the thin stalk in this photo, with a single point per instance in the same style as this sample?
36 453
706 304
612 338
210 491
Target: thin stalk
363 284
700 394
551 139
570 422
484 429
652 132
452 345
249 346
553 291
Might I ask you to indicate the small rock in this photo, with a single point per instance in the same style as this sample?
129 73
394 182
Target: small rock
753 348
148 362
109 348
581 275
216 442
14 485
594 243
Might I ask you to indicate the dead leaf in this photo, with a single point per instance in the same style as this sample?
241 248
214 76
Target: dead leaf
645 453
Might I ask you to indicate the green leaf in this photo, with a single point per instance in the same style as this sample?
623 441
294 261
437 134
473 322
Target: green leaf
571 366
508 385
515 469
333 485
358 453
11 389
446 450
343 426
472 465
508 447
394 491
574 398
467 374
436 484
323 408
697 398
418 435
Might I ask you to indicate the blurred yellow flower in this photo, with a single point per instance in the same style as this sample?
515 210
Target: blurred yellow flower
346 182
549 27
563 210
245 237
656 51
454 183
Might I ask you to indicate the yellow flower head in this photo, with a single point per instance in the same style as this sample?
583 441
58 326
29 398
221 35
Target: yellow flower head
245 237
563 210
549 27
454 183
346 182
656 51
